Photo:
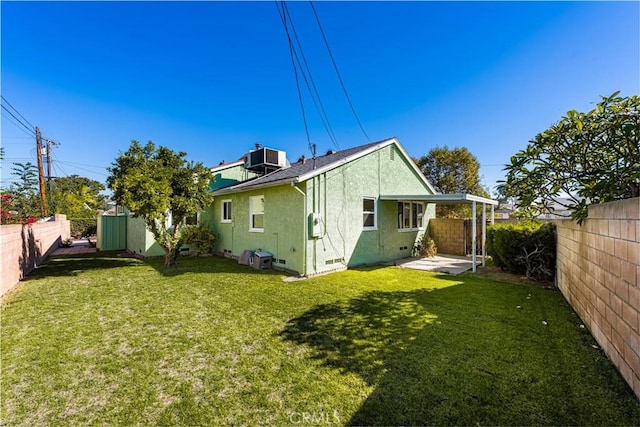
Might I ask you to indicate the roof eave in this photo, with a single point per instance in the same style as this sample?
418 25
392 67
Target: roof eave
348 159
233 189
444 199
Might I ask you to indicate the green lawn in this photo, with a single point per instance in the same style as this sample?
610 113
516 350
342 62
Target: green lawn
108 340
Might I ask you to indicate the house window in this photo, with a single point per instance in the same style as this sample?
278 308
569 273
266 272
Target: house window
368 213
226 211
256 213
192 220
410 215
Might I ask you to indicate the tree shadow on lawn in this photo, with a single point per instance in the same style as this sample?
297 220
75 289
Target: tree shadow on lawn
206 264
73 265
465 355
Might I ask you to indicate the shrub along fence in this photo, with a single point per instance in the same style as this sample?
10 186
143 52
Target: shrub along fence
23 247
527 248
598 271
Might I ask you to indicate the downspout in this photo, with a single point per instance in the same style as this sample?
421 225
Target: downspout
304 231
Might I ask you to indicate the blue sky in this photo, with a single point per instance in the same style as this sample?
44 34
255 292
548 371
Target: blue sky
214 78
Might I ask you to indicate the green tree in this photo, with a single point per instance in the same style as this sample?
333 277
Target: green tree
24 191
585 158
75 196
156 184
452 171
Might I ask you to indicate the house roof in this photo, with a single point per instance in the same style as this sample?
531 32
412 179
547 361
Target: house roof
302 171
223 166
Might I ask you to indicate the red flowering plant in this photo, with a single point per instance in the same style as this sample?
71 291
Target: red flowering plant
8 215
6 204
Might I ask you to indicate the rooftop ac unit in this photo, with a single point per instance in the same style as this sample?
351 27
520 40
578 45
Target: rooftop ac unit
266 159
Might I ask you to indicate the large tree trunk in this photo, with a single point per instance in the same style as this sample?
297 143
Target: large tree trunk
169 257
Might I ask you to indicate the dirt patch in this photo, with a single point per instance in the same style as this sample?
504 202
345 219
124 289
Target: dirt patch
496 273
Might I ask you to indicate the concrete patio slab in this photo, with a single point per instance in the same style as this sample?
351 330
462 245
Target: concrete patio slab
449 264
77 247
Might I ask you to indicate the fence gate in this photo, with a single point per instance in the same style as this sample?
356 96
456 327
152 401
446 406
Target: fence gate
468 243
112 233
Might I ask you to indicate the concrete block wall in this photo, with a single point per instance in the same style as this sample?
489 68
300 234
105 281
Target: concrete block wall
448 234
598 272
23 247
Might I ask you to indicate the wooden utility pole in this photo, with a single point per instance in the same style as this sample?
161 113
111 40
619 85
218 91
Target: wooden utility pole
43 193
48 161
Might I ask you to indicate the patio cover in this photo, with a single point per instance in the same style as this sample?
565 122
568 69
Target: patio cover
457 199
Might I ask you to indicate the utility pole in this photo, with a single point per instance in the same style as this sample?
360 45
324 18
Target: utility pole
49 143
48 162
43 193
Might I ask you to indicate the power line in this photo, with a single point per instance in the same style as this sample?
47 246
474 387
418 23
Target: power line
28 127
13 121
58 163
335 66
295 72
314 92
18 112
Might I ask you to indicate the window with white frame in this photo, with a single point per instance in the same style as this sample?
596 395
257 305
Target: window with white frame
369 213
226 211
410 215
192 219
256 213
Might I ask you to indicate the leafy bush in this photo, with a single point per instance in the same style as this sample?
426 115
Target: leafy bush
524 248
425 247
83 227
200 236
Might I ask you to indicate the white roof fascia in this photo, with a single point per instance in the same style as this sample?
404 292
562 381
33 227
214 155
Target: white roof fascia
228 190
442 198
368 151
226 166
341 162
331 166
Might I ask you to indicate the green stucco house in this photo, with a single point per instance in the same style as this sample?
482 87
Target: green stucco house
358 206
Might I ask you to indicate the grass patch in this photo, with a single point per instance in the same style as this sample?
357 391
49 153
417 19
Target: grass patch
101 339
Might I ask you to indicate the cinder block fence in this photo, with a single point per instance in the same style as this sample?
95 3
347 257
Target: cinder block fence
23 247
598 271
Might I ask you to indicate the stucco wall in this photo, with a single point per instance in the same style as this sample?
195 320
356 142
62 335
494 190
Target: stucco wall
284 226
337 195
24 247
140 240
598 271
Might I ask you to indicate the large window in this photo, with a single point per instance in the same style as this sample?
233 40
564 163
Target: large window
369 213
410 215
226 211
256 213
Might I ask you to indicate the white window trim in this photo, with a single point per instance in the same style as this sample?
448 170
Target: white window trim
375 213
222 211
421 220
251 228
